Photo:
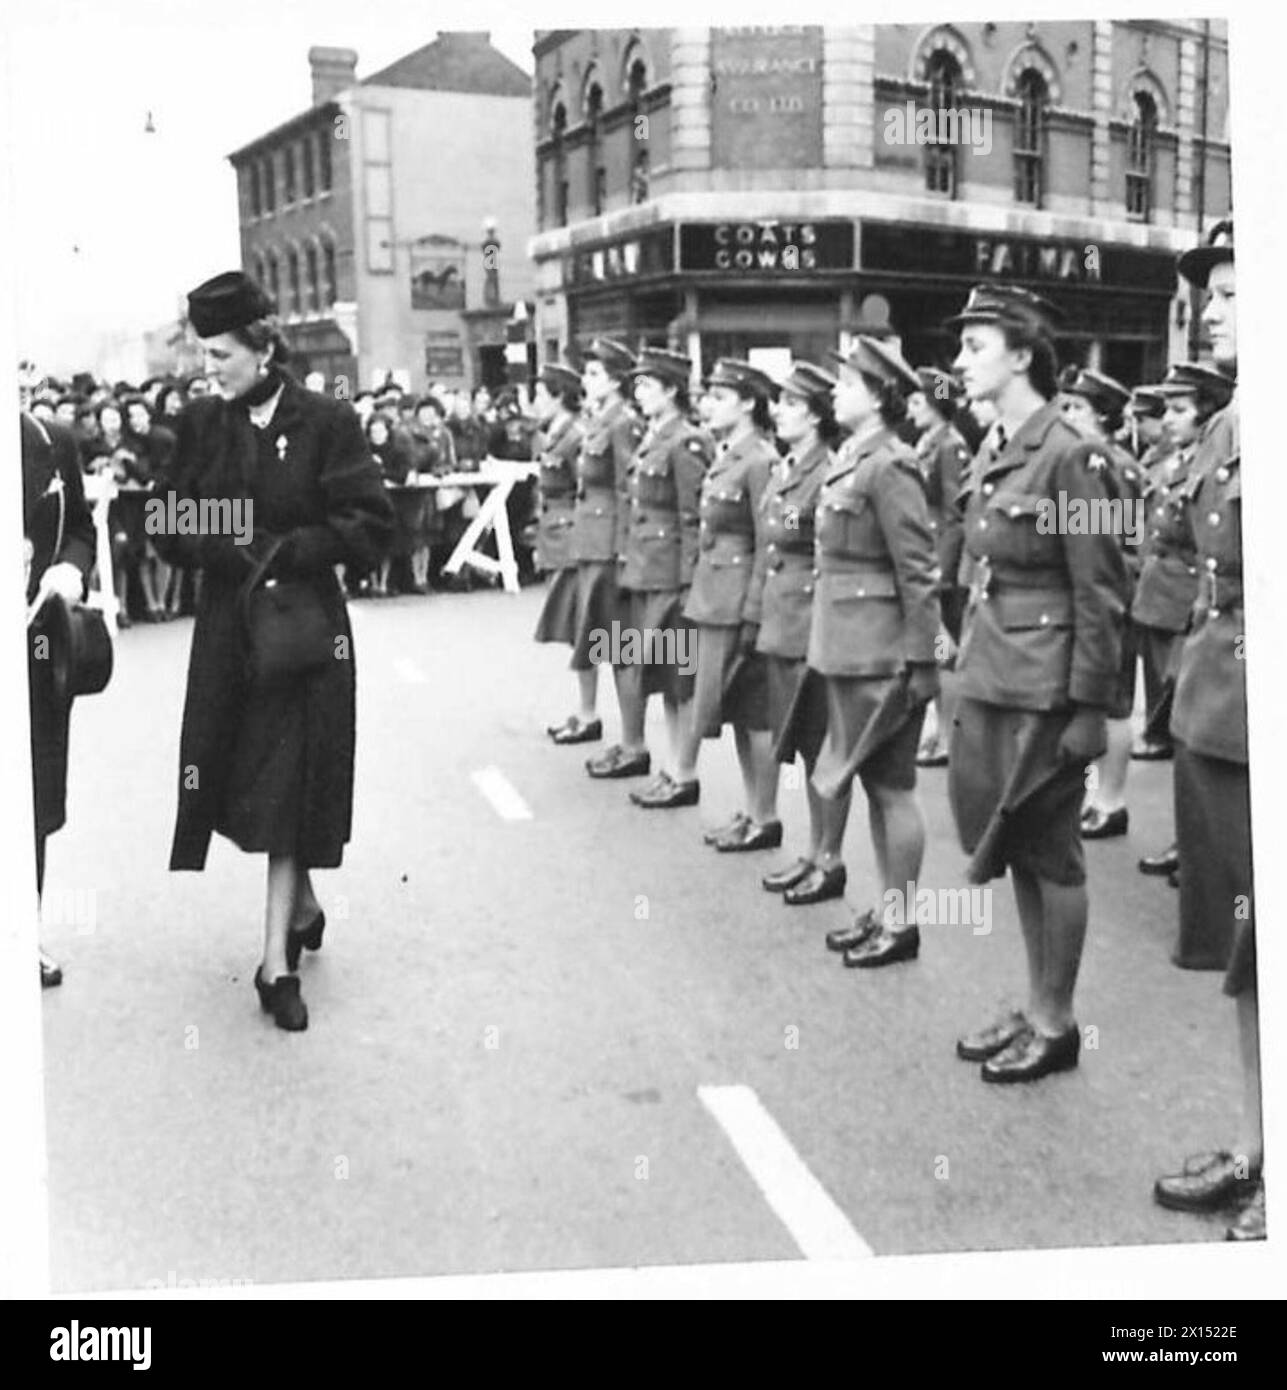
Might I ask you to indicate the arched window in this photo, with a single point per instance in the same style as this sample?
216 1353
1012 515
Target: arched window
330 288
636 86
1030 137
1139 159
944 75
314 302
274 280
558 127
597 173
292 281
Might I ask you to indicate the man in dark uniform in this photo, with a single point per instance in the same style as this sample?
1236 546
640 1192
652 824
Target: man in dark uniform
59 553
1209 726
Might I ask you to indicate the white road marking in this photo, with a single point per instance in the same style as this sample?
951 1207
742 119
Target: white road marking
800 1202
499 791
410 672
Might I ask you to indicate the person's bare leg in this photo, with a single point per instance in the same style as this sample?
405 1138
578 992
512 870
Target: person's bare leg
817 816
634 707
903 832
277 914
588 690
763 792
685 739
306 905
1111 769
1027 898
834 821
1251 1138
1065 910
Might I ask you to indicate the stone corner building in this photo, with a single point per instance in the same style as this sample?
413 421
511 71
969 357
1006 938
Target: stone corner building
366 216
731 191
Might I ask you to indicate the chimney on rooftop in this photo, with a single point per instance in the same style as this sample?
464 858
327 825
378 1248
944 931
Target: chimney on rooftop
333 69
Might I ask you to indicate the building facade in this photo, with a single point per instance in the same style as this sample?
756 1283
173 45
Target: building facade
763 191
390 221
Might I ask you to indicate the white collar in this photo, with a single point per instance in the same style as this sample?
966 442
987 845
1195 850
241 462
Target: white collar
261 415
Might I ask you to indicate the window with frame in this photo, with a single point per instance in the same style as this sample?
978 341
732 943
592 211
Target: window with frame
292 281
1030 138
636 86
1140 140
558 125
252 178
330 286
598 175
324 159
274 280
306 166
270 184
941 158
288 175
313 284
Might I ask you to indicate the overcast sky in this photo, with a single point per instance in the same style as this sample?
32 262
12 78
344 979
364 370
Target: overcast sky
114 225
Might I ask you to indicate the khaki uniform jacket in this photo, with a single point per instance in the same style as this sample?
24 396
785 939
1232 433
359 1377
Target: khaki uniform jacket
1210 711
1043 628
558 454
1168 582
943 459
728 581
607 446
875 607
664 514
786 557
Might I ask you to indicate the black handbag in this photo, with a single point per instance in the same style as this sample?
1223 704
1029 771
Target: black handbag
289 631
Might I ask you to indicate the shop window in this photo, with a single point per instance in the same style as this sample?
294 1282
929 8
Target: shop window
941 159
1139 159
1030 138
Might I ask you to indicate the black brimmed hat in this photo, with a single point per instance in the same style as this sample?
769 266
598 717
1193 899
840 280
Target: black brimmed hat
616 357
938 385
556 378
1195 265
811 382
1186 378
228 301
1101 391
671 367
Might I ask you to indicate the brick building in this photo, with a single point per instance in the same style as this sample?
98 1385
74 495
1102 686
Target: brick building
732 191
371 216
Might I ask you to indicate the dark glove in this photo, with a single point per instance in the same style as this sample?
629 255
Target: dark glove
1086 736
746 638
922 682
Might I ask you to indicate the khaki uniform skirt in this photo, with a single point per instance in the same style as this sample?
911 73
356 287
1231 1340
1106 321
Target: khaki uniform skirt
851 703
986 743
661 612
797 709
1213 832
730 688
557 622
598 605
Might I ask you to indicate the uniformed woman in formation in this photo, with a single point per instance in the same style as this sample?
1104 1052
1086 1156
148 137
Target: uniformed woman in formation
872 635
556 404
806 425
659 555
724 601
266 754
1168 584
611 434
1095 404
1037 669
1212 792
943 459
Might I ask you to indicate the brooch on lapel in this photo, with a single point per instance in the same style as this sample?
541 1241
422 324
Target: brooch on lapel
281 447
1097 463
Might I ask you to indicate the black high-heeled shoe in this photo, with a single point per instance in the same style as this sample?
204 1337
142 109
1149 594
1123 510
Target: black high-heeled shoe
311 937
281 998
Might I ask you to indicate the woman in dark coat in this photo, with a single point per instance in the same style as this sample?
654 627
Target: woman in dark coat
557 403
269 765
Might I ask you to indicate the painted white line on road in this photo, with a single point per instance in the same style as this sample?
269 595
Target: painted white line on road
410 672
499 791
817 1225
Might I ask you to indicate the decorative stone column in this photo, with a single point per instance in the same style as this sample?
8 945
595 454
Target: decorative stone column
848 96
690 100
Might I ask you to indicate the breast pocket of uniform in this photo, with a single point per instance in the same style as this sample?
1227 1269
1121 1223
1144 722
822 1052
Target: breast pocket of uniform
1022 529
654 486
846 521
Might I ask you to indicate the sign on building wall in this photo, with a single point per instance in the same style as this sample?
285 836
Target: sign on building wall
767 246
444 354
437 273
766 97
